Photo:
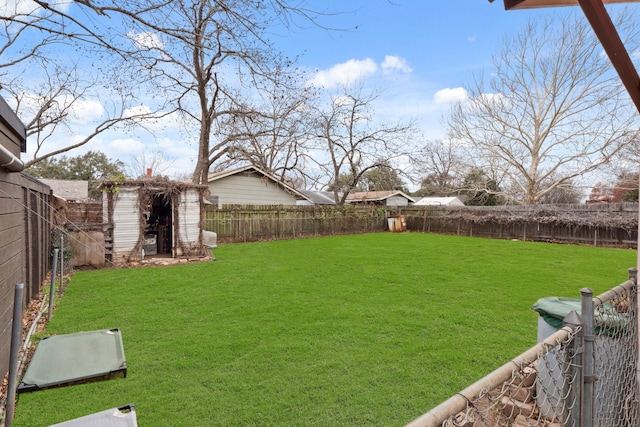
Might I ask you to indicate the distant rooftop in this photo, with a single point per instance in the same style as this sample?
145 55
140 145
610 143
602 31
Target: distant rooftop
68 189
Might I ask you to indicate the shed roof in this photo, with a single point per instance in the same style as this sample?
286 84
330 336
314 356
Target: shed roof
162 184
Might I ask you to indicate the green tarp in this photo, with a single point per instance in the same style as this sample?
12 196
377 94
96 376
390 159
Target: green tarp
67 359
554 309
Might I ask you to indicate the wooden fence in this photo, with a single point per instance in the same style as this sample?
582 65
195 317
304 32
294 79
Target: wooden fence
254 223
25 247
598 225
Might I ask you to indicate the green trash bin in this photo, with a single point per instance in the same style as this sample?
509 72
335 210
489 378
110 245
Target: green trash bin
550 384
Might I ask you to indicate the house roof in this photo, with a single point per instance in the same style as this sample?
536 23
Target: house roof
439 201
8 116
68 189
320 197
219 175
374 196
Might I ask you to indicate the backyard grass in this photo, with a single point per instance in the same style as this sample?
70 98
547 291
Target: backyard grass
369 330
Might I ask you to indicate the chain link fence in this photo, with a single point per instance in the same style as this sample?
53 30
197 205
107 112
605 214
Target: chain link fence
582 375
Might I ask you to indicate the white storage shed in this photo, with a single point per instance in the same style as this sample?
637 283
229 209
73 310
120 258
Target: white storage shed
153 218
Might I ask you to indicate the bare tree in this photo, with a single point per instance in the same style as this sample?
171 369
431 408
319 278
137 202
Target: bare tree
350 142
554 110
48 90
51 104
196 58
274 139
43 23
442 168
139 165
13 50
202 58
566 193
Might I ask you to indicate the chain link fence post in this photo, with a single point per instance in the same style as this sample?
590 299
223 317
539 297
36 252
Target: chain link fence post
589 374
60 288
52 289
635 301
16 340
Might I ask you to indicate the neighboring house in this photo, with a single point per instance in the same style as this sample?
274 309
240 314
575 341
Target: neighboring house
25 230
69 190
386 198
250 185
439 201
317 198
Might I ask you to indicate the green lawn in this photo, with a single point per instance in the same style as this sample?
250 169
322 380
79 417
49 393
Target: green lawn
352 330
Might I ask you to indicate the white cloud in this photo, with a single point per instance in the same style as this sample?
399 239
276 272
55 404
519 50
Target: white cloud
84 111
29 7
18 7
346 73
472 39
395 63
341 100
125 147
493 98
146 40
81 111
450 95
138 110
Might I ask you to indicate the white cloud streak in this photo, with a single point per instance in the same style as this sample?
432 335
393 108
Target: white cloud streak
393 64
344 74
145 40
450 95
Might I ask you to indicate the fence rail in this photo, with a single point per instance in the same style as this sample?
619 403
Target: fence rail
584 374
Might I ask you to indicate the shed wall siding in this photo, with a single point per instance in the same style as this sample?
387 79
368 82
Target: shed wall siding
126 221
189 219
249 190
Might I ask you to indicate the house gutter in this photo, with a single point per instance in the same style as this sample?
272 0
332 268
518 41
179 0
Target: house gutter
9 161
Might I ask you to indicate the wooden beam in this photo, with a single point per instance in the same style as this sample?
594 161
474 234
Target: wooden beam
529 4
608 35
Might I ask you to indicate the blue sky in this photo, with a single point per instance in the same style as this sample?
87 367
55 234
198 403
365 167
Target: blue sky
420 53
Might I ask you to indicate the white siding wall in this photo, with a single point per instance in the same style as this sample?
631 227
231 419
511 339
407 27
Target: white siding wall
249 190
189 218
126 221
397 201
